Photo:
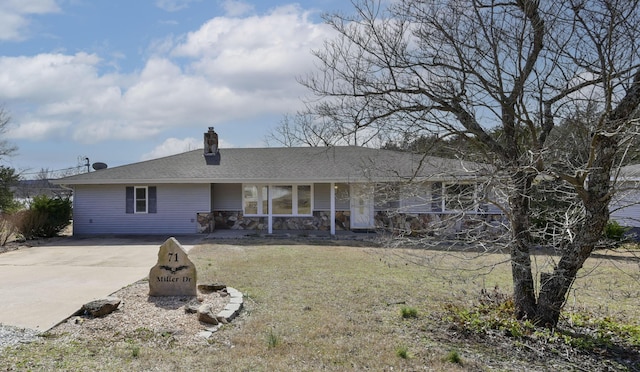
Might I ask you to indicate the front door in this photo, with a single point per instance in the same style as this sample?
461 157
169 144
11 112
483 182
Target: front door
362 206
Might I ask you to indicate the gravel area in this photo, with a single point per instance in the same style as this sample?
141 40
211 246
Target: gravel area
10 336
165 317
140 313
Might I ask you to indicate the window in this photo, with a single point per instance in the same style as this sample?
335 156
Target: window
304 199
436 196
141 199
416 198
286 200
256 199
282 199
459 197
387 196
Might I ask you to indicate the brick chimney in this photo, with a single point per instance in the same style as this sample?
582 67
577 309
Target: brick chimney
210 142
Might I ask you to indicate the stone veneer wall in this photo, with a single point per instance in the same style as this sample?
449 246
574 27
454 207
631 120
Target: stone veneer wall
234 220
205 222
399 223
415 224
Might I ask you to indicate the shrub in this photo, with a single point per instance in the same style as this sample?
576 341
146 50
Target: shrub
408 312
615 231
29 223
273 340
453 357
402 352
45 218
7 227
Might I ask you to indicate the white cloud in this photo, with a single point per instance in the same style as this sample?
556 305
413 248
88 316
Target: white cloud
35 129
173 146
173 5
259 52
14 16
47 76
230 70
235 8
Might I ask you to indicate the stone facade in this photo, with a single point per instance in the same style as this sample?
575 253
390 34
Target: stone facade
400 223
234 220
438 223
205 223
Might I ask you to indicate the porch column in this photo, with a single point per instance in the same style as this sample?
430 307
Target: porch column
270 215
332 220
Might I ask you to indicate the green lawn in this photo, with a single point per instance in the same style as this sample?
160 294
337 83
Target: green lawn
335 308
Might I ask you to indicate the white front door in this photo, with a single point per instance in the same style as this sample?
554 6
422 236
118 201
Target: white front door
362 206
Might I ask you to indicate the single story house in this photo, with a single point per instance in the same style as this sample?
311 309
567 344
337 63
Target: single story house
269 189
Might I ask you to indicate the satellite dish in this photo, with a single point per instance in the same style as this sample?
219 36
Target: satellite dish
97 166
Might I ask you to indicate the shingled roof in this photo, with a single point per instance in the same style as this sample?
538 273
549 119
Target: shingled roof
284 164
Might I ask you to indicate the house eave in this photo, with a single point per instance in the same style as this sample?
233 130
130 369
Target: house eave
150 181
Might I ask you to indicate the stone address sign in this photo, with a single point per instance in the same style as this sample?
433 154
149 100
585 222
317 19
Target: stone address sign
174 274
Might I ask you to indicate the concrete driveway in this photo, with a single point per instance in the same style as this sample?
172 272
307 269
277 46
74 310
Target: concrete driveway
42 286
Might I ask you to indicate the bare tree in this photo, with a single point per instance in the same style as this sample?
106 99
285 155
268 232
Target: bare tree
502 75
6 148
309 129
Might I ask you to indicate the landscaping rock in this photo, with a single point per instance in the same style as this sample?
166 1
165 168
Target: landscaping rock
174 274
211 287
206 315
192 307
102 307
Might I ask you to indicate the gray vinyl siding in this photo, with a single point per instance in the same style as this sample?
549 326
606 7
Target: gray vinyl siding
625 205
226 197
101 209
322 196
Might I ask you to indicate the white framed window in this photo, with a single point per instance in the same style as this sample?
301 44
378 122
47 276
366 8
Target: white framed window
387 196
304 199
415 198
141 200
282 199
286 199
255 200
459 197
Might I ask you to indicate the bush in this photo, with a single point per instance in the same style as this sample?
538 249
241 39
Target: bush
45 218
403 352
408 312
615 231
453 357
7 227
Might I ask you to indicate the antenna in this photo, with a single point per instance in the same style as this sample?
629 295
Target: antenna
99 165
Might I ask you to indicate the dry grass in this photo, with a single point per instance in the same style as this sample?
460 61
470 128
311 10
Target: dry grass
339 308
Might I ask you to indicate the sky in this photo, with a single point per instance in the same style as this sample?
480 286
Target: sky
121 81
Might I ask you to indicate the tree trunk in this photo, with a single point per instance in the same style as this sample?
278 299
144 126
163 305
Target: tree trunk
523 291
595 198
